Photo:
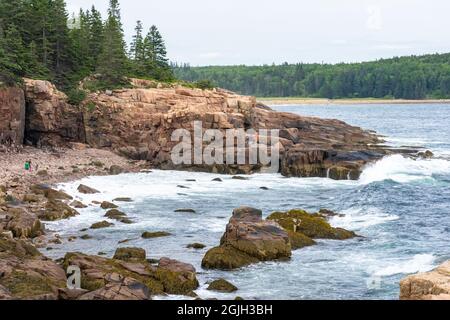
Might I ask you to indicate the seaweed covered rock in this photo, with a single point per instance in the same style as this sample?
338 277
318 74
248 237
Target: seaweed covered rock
23 224
49 193
101 225
108 205
222 285
157 234
226 258
433 285
313 226
177 277
26 274
78 204
103 277
57 210
248 239
130 254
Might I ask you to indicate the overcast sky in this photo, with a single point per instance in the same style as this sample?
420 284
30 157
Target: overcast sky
213 32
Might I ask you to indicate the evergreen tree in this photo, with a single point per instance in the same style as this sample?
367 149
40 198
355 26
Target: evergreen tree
95 36
112 62
9 69
137 45
60 41
155 61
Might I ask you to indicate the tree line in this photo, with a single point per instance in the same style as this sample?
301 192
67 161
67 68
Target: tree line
39 40
413 77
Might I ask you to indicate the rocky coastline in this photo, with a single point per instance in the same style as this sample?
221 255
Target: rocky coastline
129 131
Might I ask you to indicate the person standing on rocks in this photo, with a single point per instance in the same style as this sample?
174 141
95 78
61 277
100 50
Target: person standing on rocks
27 166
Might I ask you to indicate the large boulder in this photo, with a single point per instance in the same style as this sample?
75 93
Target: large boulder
23 224
248 239
86 190
138 277
56 210
433 285
26 274
49 193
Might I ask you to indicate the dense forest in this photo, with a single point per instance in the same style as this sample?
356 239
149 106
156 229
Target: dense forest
39 40
414 77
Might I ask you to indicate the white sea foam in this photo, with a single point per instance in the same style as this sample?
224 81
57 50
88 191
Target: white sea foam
360 218
418 263
403 169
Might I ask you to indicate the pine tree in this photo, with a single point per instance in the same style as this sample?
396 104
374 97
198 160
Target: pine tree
9 69
80 36
95 36
61 43
112 63
136 47
155 61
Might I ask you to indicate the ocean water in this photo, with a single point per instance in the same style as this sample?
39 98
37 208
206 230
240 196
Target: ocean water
400 206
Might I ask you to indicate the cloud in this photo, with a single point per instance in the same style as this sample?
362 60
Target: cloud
375 18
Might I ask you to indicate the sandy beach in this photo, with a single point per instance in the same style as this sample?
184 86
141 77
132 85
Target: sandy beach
319 101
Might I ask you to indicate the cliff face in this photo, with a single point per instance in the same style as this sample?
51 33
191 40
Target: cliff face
139 122
50 120
433 285
12 116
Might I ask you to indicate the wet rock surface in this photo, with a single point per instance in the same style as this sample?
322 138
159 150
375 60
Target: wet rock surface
248 239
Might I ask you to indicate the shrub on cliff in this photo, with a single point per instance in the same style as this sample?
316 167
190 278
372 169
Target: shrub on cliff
76 96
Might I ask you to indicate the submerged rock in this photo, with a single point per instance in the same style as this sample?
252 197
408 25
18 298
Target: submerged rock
425 154
123 199
102 225
222 285
433 285
158 234
248 239
196 246
239 178
185 210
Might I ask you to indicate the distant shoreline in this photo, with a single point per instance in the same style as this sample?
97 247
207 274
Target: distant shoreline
320 101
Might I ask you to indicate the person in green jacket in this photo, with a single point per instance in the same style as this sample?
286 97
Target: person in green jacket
28 165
